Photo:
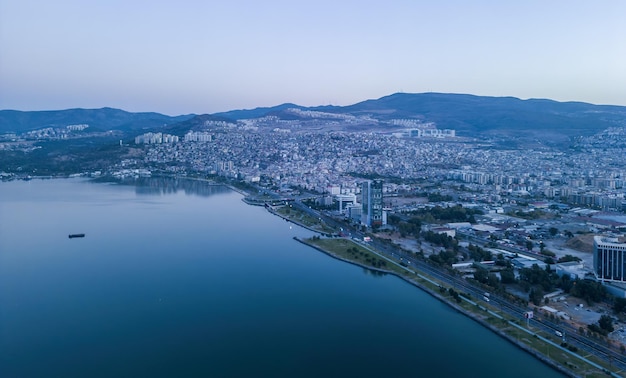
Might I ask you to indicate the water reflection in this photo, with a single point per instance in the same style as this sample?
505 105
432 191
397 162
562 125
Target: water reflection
374 273
170 185
209 283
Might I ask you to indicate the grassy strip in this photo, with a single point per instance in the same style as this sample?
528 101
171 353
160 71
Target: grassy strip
300 217
348 250
576 366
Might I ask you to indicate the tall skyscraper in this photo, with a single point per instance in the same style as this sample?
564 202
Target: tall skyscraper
609 259
372 203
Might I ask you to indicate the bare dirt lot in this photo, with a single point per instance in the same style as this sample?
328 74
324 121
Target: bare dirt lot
582 243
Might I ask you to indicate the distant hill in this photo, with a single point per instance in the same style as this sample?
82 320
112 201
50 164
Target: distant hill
473 115
102 119
203 122
478 114
469 115
257 112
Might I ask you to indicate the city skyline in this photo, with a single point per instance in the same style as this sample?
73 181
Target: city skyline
199 57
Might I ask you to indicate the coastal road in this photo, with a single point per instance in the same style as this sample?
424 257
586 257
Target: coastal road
585 345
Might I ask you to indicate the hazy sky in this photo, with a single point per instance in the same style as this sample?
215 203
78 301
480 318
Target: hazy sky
205 56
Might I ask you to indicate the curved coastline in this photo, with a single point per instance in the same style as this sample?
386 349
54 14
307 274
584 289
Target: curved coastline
480 319
476 317
548 361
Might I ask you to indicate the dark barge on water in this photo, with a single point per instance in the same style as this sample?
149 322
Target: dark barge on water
72 236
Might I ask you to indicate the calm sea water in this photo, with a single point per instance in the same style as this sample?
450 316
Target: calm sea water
180 279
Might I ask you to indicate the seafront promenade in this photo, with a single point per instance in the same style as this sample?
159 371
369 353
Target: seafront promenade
533 341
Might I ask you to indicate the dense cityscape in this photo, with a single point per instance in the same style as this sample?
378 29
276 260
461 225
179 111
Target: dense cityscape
591 173
515 216
329 189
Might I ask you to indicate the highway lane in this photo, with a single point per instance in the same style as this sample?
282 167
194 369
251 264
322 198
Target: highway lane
517 311
581 342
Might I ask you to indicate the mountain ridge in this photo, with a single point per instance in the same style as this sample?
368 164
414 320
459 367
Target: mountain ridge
105 118
466 113
471 114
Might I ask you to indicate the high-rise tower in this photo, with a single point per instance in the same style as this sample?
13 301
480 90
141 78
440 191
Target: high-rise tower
372 203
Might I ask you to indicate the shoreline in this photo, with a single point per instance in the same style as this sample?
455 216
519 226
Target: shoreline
274 212
480 319
477 318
